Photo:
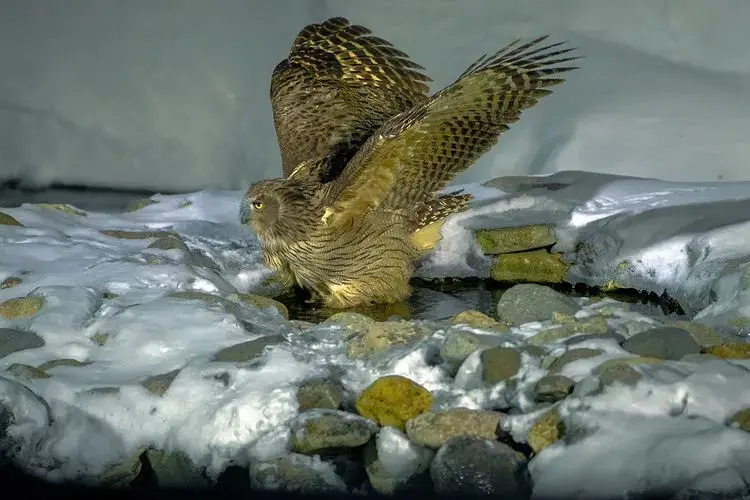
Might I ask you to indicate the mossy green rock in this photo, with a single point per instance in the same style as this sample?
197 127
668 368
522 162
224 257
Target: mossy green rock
139 204
320 393
21 307
320 430
537 266
552 388
159 384
7 220
393 400
25 371
382 336
433 429
741 420
54 363
248 351
500 364
547 430
64 208
733 350
515 239
174 469
621 370
352 320
703 334
135 235
262 302
10 282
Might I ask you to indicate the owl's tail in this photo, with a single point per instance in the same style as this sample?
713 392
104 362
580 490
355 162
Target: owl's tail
431 217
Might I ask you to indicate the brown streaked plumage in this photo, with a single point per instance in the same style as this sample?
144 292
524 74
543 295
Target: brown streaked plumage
355 239
338 84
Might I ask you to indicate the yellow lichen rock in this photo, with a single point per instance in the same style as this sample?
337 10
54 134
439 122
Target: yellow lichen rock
734 350
392 400
545 431
20 307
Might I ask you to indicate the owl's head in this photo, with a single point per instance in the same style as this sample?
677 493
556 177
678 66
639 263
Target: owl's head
278 209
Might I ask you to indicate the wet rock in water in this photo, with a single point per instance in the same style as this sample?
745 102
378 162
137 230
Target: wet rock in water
207 298
54 363
7 220
515 239
10 282
139 204
100 338
135 235
552 388
734 350
547 430
394 461
379 337
123 473
741 420
534 351
458 345
392 400
248 351
174 469
25 371
320 393
170 242
663 343
699 358
538 266
433 429
159 384
352 320
64 208
21 307
470 466
588 386
528 302
295 474
262 302
621 371
23 418
590 327
12 340
499 364
703 334
570 356
320 430
605 335
478 319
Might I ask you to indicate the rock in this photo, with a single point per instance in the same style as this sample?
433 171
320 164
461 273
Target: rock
26 371
663 343
352 320
499 364
570 356
545 431
534 351
63 207
121 474
586 328
21 307
601 326
158 384
478 319
7 220
174 469
392 400
248 351
100 338
139 204
538 266
552 388
262 302
395 461
294 474
136 235
433 429
101 391
699 358
588 386
741 420
381 336
10 282
734 350
458 345
621 371
528 302
12 340
169 242
208 298
703 334
54 363
515 239
24 418
470 466
320 393
320 430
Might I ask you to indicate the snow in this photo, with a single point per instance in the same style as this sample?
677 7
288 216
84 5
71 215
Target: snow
175 97
222 413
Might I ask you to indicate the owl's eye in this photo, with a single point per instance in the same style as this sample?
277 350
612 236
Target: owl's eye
258 205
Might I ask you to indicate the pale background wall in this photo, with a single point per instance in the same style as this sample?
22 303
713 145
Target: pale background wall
173 94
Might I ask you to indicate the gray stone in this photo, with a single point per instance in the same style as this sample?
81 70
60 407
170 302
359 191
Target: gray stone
175 470
248 351
12 340
469 466
528 302
499 364
570 356
158 384
320 429
433 429
458 345
552 388
663 343
54 363
320 393
588 386
621 370
25 371
293 474
594 336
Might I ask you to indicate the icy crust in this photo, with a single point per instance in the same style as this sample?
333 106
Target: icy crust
688 239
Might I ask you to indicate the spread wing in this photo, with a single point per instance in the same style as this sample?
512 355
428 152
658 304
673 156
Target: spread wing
338 84
418 152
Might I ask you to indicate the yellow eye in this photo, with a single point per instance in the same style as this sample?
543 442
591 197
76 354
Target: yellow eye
257 205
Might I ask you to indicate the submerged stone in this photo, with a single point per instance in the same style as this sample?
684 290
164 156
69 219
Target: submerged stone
538 266
515 239
500 364
552 388
54 363
293 474
530 302
25 371
733 350
393 400
139 204
322 429
64 208
248 351
477 319
10 282
663 343
320 393
570 356
159 384
174 469
21 307
136 235
12 340
589 327
382 336
262 302
7 220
